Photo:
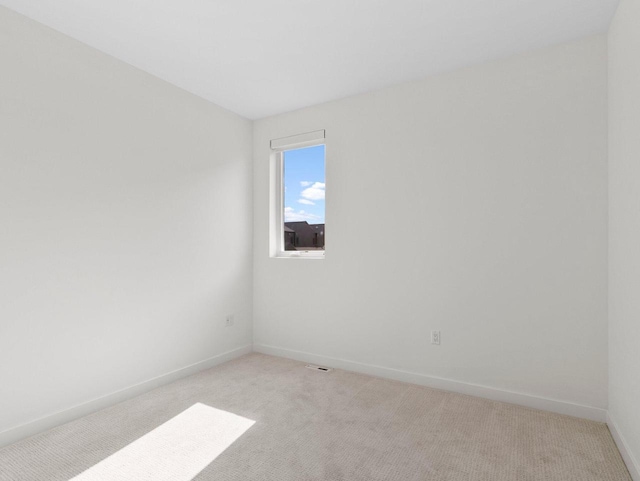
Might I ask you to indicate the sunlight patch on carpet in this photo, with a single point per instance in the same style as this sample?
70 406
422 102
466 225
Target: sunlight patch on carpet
176 450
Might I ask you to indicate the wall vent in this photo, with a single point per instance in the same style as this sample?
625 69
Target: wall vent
318 368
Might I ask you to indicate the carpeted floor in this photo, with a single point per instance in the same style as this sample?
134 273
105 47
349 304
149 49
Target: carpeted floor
335 426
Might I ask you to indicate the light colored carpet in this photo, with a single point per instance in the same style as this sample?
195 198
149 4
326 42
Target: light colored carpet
335 426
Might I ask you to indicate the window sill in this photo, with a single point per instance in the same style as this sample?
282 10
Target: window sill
299 255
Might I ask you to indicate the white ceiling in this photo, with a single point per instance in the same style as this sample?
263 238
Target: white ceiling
264 57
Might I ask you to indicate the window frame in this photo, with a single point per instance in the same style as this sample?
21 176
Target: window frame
276 227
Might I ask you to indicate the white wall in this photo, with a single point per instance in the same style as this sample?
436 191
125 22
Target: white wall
126 225
624 228
474 203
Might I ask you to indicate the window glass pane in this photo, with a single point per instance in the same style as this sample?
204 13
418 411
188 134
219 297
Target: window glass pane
304 187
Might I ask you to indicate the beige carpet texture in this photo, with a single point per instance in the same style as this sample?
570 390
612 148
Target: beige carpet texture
332 426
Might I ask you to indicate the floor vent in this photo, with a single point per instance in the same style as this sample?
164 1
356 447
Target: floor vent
318 368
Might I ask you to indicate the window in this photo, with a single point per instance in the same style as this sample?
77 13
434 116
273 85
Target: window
298 196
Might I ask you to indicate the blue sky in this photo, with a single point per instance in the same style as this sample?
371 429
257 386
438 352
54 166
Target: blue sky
304 185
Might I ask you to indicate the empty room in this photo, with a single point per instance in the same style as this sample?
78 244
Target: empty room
294 240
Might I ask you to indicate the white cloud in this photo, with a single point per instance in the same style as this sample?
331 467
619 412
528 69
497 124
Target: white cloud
306 202
305 183
315 192
290 215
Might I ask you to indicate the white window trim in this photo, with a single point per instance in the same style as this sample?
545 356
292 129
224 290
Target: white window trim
276 191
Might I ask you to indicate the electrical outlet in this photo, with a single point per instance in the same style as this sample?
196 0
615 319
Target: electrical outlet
230 321
435 337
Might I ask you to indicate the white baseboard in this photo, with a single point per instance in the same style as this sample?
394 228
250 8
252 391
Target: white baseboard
535 402
45 423
629 459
